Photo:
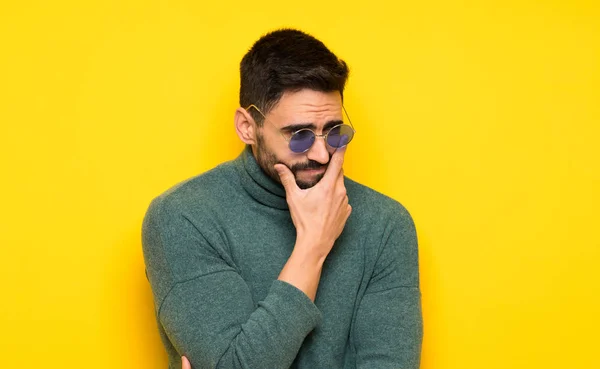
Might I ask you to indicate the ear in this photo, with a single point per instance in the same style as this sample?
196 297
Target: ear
245 126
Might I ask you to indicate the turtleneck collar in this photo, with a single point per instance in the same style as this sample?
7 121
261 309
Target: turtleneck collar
257 183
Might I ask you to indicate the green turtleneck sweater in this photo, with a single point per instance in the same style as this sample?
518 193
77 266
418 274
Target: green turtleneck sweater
214 246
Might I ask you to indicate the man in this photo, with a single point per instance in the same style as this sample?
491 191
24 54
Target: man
275 259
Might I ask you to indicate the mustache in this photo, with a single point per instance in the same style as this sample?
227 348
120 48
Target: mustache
311 164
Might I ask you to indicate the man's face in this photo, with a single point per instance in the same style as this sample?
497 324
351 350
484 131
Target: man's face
316 110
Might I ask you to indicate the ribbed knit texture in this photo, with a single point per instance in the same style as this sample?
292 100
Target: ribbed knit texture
214 246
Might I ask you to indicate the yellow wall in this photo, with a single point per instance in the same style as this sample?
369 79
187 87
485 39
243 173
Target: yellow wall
481 117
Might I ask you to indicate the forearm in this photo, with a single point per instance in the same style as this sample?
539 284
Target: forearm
303 269
243 335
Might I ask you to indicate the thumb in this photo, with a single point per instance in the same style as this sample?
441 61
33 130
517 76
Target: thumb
185 364
286 177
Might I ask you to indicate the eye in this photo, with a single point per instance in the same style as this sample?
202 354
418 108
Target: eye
340 135
303 134
302 140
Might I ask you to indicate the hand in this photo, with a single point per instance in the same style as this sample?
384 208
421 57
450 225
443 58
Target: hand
319 213
185 364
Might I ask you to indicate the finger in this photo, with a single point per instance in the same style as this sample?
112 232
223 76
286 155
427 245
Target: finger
185 364
286 177
335 166
340 176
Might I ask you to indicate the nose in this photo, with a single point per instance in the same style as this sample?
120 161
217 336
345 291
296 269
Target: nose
318 151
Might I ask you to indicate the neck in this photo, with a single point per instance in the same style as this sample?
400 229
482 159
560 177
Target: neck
260 186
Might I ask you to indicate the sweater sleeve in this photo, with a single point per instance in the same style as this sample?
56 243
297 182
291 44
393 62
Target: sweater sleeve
205 307
388 329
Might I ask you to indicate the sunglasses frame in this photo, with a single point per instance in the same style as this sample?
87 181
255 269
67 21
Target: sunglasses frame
324 136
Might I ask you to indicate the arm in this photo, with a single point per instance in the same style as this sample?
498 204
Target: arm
206 308
388 328
319 215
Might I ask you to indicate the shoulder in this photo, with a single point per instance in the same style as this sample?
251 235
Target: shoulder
174 247
185 216
389 233
374 205
203 189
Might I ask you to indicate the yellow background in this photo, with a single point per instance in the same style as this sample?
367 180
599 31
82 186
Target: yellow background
481 117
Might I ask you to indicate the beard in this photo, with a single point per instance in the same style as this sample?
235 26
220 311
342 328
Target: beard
266 160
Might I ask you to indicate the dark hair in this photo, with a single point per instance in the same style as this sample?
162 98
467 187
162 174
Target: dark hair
287 60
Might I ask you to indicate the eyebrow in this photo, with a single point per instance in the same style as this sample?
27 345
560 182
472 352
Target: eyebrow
298 126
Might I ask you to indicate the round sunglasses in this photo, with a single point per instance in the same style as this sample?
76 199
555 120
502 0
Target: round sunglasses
302 140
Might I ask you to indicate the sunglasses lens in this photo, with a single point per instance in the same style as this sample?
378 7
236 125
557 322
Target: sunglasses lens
340 136
302 140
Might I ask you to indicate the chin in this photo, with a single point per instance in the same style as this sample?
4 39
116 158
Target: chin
304 185
308 184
